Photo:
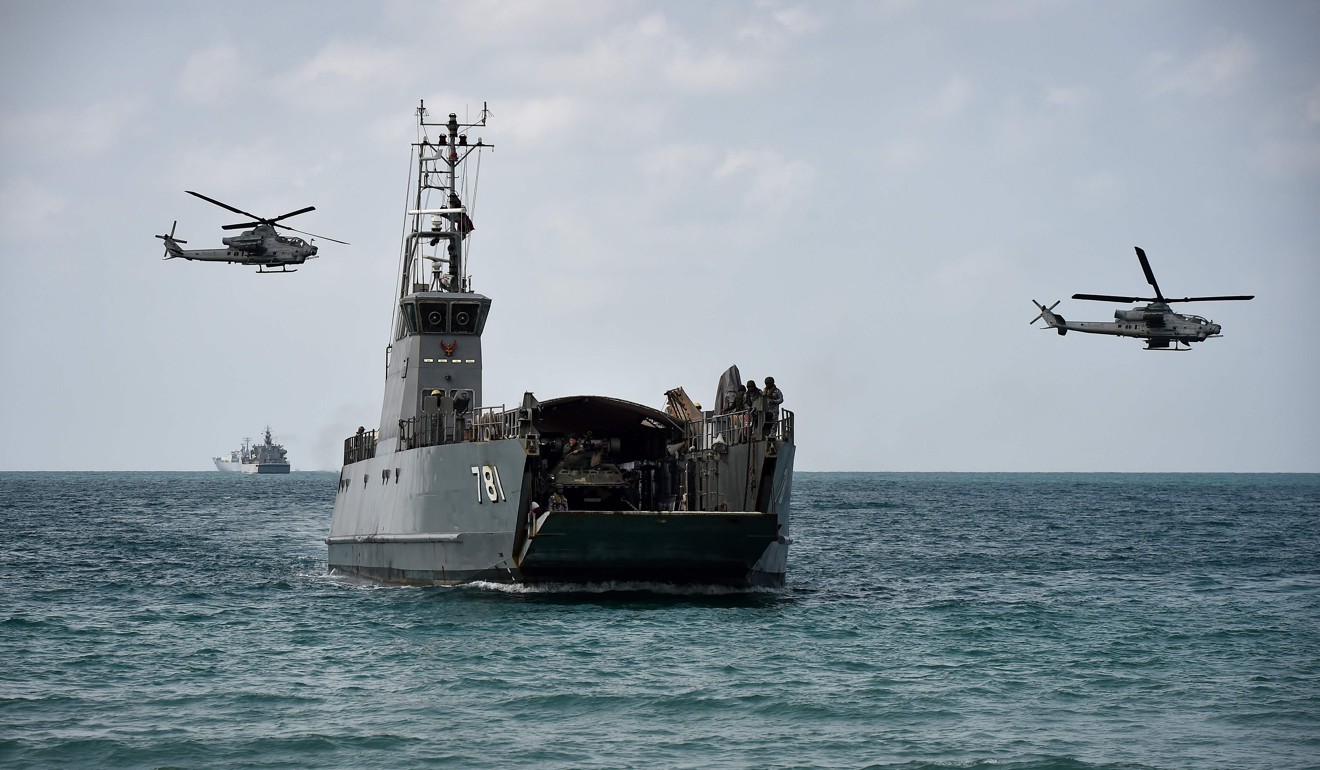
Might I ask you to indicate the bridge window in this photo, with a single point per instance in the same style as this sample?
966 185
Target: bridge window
410 317
434 317
469 317
465 317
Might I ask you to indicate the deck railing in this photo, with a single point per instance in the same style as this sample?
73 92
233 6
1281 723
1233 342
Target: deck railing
739 428
496 423
361 446
486 424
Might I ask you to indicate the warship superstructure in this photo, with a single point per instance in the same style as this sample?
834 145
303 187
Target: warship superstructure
583 488
266 457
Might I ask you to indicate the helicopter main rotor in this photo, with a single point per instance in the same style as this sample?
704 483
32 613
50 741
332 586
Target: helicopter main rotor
256 220
1159 295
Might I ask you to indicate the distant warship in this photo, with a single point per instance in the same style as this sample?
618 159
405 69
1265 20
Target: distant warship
267 457
576 489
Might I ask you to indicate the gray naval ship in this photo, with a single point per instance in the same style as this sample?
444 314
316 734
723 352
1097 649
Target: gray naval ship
575 489
266 457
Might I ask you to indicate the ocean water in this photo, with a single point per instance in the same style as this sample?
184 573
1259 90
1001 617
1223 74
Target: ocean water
1020 621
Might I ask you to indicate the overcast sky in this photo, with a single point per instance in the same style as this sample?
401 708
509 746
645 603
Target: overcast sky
860 199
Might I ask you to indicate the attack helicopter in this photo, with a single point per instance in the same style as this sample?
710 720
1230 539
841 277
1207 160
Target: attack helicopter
1162 328
261 246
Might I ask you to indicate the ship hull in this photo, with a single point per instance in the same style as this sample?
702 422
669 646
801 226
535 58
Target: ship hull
458 513
423 516
265 458
698 547
265 468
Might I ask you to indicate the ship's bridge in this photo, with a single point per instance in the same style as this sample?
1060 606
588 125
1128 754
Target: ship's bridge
436 312
434 365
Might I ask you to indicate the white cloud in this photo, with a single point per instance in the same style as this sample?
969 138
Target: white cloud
951 99
773 184
1104 187
905 154
536 122
614 62
778 24
91 130
798 20
344 73
507 23
223 171
1024 128
214 75
971 271
676 162
1218 69
651 54
1313 105
27 208
713 71
1290 157
1070 97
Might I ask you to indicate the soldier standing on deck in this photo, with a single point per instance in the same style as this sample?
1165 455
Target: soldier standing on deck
754 407
773 397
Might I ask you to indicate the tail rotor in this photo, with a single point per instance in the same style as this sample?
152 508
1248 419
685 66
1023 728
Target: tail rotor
1052 320
1044 310
172 249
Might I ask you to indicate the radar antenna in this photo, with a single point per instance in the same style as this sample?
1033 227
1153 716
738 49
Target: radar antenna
438 163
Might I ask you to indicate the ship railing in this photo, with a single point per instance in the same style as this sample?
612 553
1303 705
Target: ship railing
738 428
491 423
361 446
486 424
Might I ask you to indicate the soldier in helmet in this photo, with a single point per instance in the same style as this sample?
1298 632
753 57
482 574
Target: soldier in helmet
557 500
754 407
576 454
772 398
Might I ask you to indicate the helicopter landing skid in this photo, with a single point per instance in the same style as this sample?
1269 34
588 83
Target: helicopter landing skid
276 272
1185 348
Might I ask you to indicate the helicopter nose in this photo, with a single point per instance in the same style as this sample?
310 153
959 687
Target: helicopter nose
1214 329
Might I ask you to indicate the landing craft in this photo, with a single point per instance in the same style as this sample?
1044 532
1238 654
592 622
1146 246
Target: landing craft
584 488
261 246
1162 328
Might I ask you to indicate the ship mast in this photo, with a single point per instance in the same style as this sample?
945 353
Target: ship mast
438 162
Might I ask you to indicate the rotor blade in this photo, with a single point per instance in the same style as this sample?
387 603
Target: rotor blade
314 235
1212 299
171 237
241 225
290 214
224 205
1112 298
1150 277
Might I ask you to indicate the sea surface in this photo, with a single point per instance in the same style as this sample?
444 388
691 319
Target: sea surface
1016 621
